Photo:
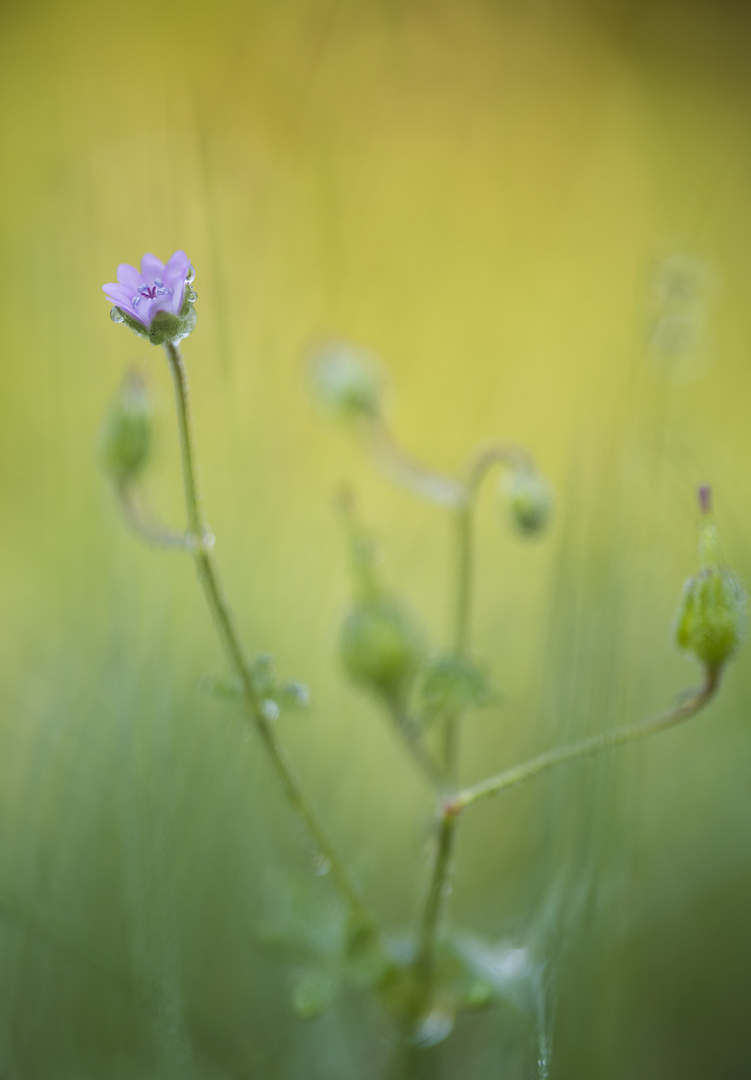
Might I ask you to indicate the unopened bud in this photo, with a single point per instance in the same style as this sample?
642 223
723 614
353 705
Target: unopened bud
127 433
380 647
530 500
710 619
346 382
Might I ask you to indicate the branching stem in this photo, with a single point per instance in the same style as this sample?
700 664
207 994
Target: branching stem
686 707
453 805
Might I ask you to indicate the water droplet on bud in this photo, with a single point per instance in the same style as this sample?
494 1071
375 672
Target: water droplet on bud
190 274
116 315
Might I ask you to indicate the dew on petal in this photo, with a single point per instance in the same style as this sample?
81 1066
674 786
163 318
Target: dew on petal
116 314
190 274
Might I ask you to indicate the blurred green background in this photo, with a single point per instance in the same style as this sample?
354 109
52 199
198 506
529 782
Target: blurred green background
537 214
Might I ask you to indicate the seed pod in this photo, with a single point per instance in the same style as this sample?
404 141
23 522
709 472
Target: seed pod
127 433
380 647
346 382
711 615
530 500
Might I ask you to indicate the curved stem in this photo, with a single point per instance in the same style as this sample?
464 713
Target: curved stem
230 638
475 470
144 526
594 744
404 470
494 453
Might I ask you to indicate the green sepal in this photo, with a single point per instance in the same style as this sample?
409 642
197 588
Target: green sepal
710 619
164 326
381 648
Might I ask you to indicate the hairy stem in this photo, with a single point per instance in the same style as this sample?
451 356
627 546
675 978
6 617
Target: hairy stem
230 638
685 708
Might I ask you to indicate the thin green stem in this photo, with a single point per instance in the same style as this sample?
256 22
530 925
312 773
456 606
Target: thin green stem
418 748
685 708
398 466
464 567
477 467
435 904
143 524
230 638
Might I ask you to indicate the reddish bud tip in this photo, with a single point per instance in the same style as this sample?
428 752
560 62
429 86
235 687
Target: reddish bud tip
705 498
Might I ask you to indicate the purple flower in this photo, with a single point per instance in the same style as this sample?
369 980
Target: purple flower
158 287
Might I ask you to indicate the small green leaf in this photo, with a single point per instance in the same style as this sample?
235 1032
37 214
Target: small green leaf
451 685
273 695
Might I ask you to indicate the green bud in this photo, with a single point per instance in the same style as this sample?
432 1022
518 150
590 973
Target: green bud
380 647
346 382
711 615
530 499
127 433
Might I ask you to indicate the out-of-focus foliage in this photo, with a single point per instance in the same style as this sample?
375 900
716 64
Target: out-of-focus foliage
537 214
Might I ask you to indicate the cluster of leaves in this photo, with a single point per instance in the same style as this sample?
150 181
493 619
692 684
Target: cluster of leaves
329 951
274 694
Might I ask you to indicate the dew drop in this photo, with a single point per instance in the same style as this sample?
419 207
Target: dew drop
191 296
116 315
270 710
321 866
190 274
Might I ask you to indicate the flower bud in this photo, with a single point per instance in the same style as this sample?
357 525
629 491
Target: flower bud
380 647
127 433
530 500
710 618
346 382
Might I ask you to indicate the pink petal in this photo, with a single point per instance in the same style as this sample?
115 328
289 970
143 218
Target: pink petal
177 267
174 277
128 275
119 294
151 267
122 297
149 308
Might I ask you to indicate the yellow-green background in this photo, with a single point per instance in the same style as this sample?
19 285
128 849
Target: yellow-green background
477 191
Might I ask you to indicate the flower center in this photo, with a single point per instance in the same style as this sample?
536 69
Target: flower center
150 292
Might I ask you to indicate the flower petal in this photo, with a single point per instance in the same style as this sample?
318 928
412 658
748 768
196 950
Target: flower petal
129 276
122 297
151 268
119 294
149 308
176 267
174 278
